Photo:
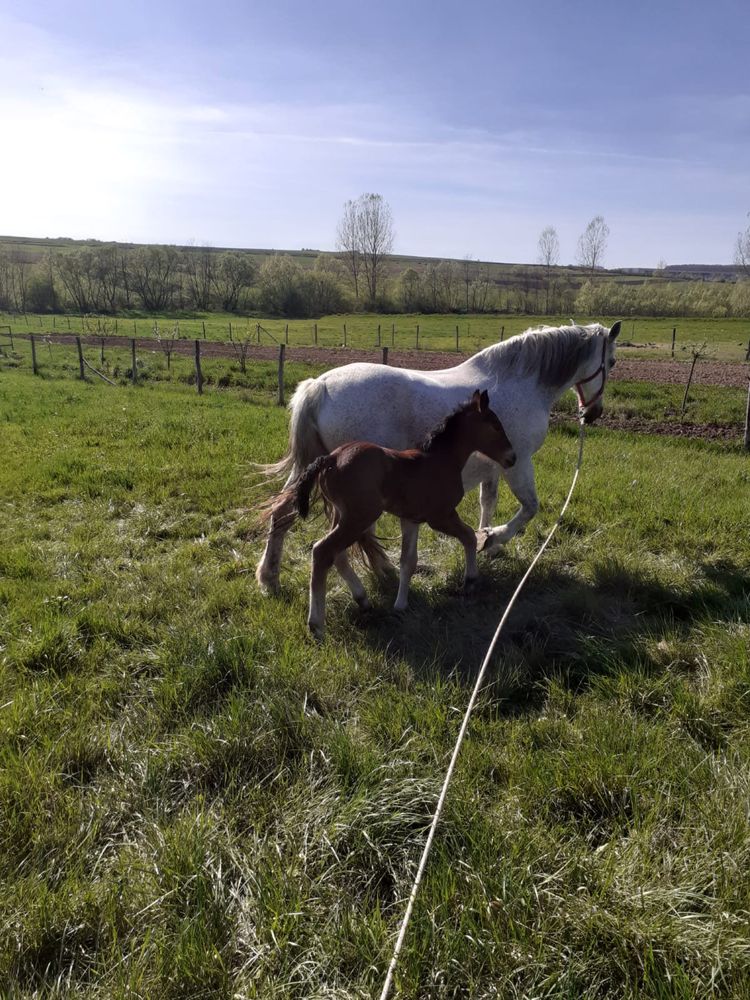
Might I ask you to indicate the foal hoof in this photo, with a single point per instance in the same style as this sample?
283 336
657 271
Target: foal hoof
489 542
268 584
316 631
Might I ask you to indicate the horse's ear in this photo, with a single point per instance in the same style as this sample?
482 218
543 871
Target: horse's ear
484 400
615 330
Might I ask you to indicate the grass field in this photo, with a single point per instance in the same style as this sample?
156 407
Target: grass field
651 338
198 801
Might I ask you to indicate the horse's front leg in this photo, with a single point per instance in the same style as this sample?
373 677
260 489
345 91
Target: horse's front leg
520 479
483 472
409 536
488 499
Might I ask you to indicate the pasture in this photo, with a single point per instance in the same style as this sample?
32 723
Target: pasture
199 801
727 339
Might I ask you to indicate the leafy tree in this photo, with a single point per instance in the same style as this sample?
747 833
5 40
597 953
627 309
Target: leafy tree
235 275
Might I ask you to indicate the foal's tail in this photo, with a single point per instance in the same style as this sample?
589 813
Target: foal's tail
302 488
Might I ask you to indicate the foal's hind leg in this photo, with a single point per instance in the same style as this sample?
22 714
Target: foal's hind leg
325 553
283 517
452 525
350 578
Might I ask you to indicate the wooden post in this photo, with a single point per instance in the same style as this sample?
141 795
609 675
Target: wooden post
68 319
316 334
133 362
344 334
230 330
198 372
54 326
81 372
385 355
502 332
34 367
417 336
282 352
393 334
747 420
286 334
135 329
204 328
378 334
674 337
747 352
102 352
115 324
456 336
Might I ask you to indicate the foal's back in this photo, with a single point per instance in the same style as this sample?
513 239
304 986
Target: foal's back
412 484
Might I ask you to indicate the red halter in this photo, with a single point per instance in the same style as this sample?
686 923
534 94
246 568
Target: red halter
583 403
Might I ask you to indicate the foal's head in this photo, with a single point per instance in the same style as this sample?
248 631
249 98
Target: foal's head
476 425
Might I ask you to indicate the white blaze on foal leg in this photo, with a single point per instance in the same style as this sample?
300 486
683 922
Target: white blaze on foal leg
409 536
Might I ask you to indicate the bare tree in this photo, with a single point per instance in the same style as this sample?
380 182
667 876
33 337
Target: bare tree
200 269
348 243
467 263
742 250
549 256
592 244
365 238
235 274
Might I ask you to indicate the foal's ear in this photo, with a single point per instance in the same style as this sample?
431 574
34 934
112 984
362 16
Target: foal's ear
476 399
484 400
615 330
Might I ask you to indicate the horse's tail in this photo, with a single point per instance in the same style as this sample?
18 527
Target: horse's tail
303 487
305 443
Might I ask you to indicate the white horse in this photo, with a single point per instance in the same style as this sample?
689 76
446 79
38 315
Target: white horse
397 407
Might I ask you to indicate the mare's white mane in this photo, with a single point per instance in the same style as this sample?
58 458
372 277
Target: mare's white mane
553 353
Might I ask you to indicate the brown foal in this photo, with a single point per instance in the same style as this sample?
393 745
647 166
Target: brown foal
360 481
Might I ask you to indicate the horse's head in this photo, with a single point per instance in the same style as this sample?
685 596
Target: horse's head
590 388
491 438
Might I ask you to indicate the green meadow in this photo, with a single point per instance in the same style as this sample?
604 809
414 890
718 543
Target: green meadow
727 339
197 800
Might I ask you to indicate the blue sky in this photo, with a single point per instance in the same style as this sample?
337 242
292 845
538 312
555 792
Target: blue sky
249 124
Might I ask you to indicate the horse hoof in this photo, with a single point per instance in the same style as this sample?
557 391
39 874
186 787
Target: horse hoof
400 607
470 584
489 543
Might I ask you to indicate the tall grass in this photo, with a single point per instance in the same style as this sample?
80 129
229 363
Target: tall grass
197 801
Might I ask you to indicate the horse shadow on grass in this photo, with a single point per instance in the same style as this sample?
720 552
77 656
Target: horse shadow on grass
561 626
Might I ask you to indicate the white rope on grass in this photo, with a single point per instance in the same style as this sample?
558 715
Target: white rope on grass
465 724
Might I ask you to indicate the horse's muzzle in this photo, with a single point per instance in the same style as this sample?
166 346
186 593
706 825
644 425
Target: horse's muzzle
593 413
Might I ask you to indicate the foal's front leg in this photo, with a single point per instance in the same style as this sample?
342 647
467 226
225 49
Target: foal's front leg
409 536
452 525
325 553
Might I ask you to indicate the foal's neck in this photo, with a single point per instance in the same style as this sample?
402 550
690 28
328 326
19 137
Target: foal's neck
453 451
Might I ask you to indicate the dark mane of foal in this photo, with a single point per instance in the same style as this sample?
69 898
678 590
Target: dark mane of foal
444 431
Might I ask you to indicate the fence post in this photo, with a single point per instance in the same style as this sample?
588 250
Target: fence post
204 328
393 334
417 341
68 319
316 334
102 351
198 372
747 352
81 372
115 324
385 355
230 330
282 353
286 334
747 420
344 334
456 336
135 329
34 367
54 325
378 334
133 363
502 333
674 337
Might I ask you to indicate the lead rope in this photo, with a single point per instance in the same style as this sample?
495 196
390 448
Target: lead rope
464 726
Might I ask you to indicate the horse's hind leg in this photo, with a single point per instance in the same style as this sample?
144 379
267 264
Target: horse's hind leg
282 518
409 537
350 578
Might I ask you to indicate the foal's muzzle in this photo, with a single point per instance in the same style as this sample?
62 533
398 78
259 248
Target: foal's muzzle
593 413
